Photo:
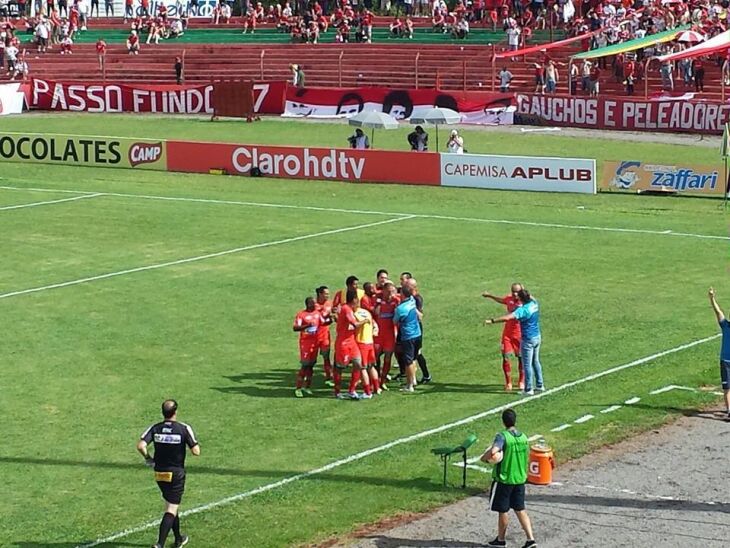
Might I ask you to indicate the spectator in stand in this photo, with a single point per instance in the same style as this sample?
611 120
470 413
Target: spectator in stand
455 144
539 78
396 28
359 140
42 34
133 43
101 52
666 71
249 22
145 8
66 45
313 33
63 8
50 6
154 31
438 21
226 12
21 69
408 7
505 79
551 77
585 74
11 57
162 12
178 70
574 75
699 73
83 7
418 139
367 25
259 12
461 28
408 28
109 8
3 35
73 19
94 4
176 28
195 8
128 10
513 37
595 81
298 76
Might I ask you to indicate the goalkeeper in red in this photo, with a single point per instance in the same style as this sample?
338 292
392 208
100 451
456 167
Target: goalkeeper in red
511 337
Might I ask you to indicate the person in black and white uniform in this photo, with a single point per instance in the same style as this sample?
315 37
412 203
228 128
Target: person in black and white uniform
171 440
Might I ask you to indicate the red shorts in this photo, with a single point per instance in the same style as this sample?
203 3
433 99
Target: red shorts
323 339
510 344
367 351
308 351
385 343
346 352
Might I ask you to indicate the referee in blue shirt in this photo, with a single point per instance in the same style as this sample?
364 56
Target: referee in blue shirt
724 350
406 317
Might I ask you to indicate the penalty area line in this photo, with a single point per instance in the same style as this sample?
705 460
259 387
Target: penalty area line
199 257
400 441
49 202
535 224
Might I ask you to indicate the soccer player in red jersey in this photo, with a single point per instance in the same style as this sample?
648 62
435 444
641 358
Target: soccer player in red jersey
380 279
385 339
511 336
351 282
307 323
369 298
324 307
346 350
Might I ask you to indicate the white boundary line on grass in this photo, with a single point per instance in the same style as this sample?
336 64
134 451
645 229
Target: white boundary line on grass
199 257
369 212
400 441
48 202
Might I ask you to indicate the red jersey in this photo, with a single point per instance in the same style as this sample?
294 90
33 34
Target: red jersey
384 318
368 303
346 325
512 327
101 47
367 19
310 319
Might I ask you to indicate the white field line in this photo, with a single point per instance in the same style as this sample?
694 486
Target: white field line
671 387
561 427
401 441
611 409
632 401
48 202
584 418
373 212
198 258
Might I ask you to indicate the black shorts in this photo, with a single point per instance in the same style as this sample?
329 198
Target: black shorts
725 374
407 351
172 485
503 497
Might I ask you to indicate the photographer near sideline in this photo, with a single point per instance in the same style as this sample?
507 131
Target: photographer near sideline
359 140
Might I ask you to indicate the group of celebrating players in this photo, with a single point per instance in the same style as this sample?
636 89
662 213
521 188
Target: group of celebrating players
373 323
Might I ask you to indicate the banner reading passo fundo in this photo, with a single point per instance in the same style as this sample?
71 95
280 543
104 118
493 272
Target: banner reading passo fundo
635 176
306 163
662 114
117 97
475 107
83 151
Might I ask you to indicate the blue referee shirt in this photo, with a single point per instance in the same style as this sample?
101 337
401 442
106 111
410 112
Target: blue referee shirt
529 316
406 317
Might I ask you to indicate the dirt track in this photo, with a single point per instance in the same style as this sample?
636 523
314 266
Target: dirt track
667 488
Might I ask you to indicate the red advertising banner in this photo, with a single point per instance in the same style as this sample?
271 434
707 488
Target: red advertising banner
118 97
475 107
377 166
622 114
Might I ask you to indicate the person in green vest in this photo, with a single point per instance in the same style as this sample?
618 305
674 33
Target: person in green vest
509 455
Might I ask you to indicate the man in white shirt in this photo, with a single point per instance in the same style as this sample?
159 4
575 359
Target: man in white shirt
505 79
11 56
359 141
513 38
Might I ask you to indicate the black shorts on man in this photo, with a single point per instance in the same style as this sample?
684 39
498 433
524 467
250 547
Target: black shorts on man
171 484
504 496
409 350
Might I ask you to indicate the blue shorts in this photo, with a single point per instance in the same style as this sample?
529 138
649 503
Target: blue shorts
725 374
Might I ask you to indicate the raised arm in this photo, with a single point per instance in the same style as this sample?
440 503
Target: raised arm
488 295
715 307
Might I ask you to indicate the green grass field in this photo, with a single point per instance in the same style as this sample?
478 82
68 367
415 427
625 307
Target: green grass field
84 366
